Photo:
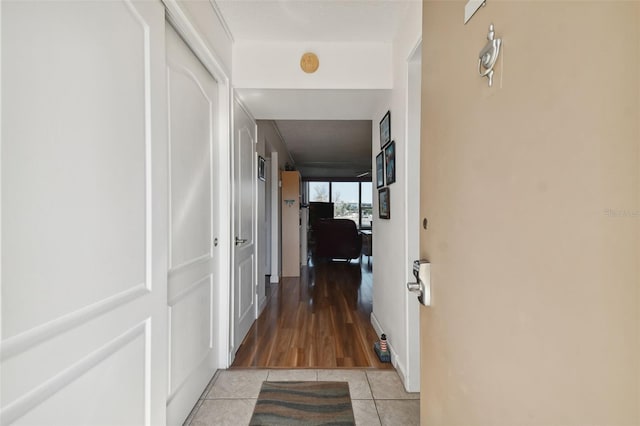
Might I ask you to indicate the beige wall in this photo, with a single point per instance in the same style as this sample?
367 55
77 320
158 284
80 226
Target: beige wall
535 316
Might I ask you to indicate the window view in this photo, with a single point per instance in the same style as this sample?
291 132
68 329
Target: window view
345 197
366 205
319 191
351 200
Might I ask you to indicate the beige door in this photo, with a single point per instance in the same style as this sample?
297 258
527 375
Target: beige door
531 191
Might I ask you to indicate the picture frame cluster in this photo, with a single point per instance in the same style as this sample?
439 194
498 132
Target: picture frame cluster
385 167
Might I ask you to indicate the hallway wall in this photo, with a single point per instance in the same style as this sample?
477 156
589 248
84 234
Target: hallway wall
391 266
269 138
532 192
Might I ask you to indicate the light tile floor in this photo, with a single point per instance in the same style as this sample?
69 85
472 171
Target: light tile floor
378 397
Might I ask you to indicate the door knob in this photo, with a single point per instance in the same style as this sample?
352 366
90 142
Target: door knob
414 288
240 241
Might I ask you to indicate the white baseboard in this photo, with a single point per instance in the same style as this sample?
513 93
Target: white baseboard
395 360
262 303
376 324
274 279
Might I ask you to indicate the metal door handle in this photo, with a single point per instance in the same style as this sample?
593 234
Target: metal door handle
414 288
422 286
240 241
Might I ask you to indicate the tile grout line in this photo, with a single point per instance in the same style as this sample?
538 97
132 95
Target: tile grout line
373 397
194 411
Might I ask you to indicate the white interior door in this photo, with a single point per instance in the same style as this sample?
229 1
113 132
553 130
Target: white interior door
84 223
244 178
192 102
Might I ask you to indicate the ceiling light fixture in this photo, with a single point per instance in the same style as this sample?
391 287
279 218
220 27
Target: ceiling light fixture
309 62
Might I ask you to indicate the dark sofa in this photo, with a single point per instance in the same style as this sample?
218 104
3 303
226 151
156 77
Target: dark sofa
337 239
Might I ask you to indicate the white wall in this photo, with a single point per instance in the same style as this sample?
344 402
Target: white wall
263 220
269 140
392 266
267 131
342 65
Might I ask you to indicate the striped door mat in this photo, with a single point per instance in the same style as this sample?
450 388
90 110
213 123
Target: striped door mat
303 403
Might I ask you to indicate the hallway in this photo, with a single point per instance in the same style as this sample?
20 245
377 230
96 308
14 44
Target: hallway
320 320
377 397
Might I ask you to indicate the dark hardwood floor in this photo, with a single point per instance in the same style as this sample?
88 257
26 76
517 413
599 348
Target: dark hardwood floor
320 320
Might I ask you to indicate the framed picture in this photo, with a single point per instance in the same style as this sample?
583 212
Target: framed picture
384 203
261 168
385 129
380 170
390 162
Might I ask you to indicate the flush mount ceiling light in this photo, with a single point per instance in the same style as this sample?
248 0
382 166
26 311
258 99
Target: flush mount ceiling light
309 62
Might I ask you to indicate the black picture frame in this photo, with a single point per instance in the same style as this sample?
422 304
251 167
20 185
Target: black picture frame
385 129
384 203
390 162
261 168
380 170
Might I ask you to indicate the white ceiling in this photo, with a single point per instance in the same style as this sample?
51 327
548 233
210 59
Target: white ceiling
328 148
313 20
328 132
300 104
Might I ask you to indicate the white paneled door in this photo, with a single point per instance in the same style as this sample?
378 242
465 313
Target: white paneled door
244 177
192 101
84 218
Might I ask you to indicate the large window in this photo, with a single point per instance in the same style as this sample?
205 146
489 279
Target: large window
319 191
346 200
351 200
366 204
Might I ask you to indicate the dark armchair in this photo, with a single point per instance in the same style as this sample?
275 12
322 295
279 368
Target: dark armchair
337 239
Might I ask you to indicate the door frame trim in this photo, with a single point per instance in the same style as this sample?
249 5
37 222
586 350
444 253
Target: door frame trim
410 371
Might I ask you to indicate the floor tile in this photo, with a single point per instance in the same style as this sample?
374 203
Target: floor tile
357 379
365 412
238 384
387 385
399 412
292 375
223 412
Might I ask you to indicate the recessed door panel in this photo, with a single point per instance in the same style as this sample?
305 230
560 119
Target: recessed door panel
190 109
75 150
